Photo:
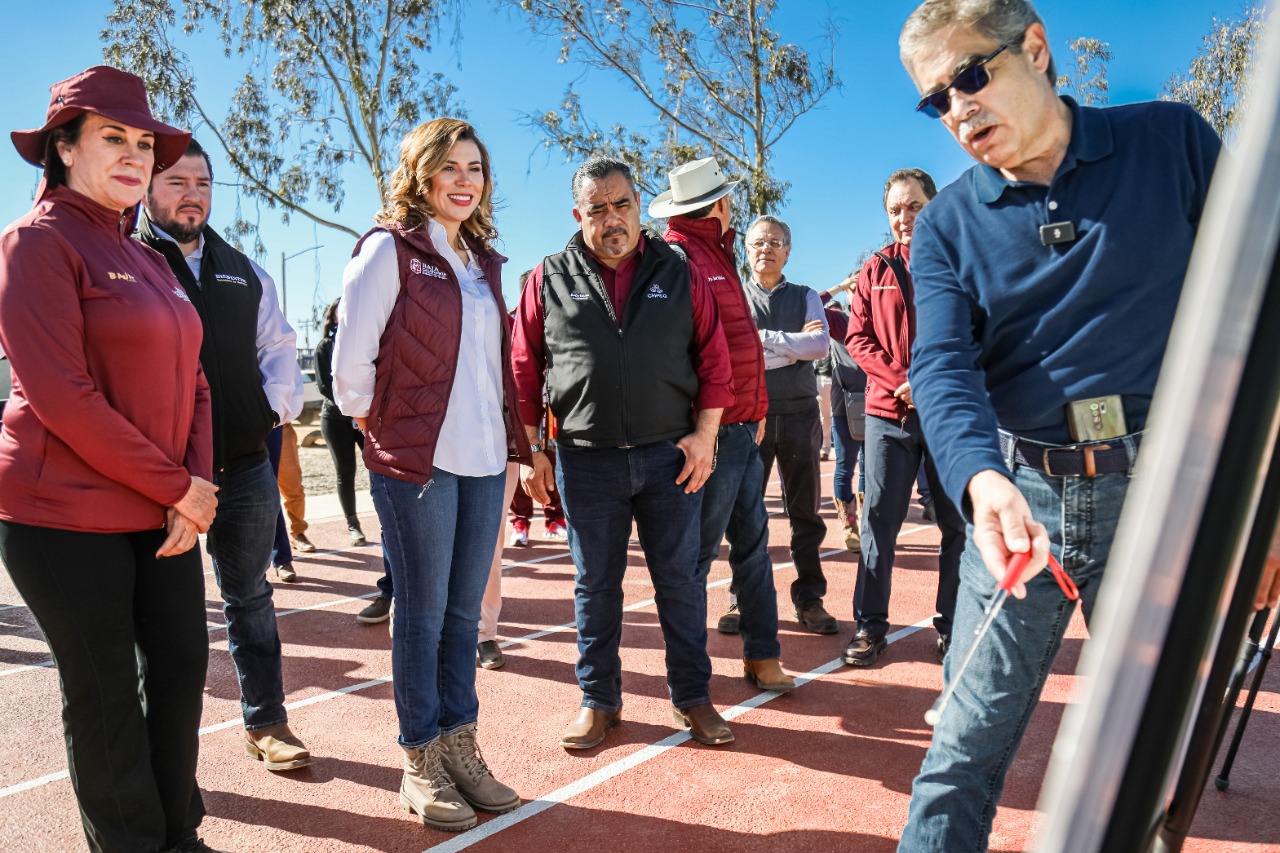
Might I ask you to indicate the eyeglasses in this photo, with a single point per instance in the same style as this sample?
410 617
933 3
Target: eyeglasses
772 244
973 79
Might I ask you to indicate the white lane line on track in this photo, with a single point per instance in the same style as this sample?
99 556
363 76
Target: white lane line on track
622 765
334 694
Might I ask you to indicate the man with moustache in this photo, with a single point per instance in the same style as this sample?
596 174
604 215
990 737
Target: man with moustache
250 360
881 329
1046 280
637 375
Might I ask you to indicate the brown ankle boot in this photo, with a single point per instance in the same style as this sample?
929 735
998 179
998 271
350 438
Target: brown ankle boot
767 675
466 767
848 518
427 790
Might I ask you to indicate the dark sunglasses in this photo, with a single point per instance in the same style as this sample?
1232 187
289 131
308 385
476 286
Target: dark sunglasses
973 79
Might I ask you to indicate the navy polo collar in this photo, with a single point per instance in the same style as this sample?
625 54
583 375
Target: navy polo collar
1090 140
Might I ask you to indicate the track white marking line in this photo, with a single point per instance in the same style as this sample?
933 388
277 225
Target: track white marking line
635 759
334 694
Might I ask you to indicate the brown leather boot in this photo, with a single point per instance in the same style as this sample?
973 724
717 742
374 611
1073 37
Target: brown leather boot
427 791
704 723
767 675
470 774
589 728
277 748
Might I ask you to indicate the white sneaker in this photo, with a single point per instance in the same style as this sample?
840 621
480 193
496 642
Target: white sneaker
556 531
519 537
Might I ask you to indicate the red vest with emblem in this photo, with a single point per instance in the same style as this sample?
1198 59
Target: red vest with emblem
418 359
711 257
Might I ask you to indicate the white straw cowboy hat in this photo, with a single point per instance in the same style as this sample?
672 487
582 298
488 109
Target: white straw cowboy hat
693 185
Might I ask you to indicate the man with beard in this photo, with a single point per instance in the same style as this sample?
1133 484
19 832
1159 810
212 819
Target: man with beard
250 360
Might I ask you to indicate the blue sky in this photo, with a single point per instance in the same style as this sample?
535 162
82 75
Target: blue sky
836 158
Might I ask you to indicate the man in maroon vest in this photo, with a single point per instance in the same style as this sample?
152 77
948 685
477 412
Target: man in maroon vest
698 205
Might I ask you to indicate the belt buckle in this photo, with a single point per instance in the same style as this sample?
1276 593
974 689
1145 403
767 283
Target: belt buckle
1048 469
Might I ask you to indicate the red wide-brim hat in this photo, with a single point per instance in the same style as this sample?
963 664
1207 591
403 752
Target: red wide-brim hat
109 92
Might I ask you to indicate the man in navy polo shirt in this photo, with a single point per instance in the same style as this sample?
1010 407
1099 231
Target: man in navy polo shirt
1046 282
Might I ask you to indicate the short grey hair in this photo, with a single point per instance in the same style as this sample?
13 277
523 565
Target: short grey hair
598 168
766 219
1001 21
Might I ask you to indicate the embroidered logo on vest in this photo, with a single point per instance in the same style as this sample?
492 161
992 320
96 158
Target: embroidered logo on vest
230 279
120 276
181 294
655 292
716 278
417 267
579 296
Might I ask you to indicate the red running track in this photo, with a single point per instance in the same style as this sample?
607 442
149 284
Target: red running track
827 767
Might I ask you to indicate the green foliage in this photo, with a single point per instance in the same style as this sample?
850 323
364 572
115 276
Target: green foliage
1087 75
1216 85
718 80
331 84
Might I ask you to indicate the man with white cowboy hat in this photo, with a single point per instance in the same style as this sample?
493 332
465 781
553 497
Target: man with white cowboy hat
698 205
637 375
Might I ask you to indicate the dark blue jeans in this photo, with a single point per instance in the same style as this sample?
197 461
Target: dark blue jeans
733 505
281 550
893 455
239 542
794 441
953 799
603 489
440 542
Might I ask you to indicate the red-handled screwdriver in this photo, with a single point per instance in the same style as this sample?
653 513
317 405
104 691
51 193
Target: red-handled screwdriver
1017 564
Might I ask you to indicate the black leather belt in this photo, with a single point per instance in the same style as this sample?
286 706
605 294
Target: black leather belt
1078 460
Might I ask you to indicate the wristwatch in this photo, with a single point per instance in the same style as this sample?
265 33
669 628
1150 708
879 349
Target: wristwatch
534 447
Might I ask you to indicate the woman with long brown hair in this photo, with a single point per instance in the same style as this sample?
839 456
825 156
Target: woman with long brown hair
423 363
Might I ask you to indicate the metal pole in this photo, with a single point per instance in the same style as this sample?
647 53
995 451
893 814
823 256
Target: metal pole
284 289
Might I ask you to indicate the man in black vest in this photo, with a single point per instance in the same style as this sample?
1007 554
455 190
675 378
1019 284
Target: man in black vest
881 330
637 375
793 329
250 360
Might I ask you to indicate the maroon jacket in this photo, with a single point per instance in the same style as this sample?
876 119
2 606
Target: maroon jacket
109 415
711 260
882 327
418 359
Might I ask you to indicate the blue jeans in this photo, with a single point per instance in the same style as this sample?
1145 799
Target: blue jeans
440 542
894 453
239 542
602 490
281 550
953 799
848 456
733 505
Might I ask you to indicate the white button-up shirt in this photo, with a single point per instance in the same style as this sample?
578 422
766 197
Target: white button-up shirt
473 437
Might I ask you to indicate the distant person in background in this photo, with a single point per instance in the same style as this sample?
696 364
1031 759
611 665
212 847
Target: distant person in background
422 361
105 460
250 357
881 330
281 549
342 437
292 492
848 384
488 652
793 330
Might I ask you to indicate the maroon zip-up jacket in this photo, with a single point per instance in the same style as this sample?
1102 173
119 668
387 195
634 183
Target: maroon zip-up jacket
418 360
882 326
710 254
109 414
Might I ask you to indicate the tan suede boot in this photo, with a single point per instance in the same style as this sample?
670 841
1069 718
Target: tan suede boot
848 524
427 790
466 767
767 675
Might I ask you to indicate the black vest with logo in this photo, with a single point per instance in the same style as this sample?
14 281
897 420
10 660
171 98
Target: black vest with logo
226 298
793 390
612 386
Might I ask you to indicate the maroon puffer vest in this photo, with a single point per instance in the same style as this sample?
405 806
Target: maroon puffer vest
711 256
418 358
